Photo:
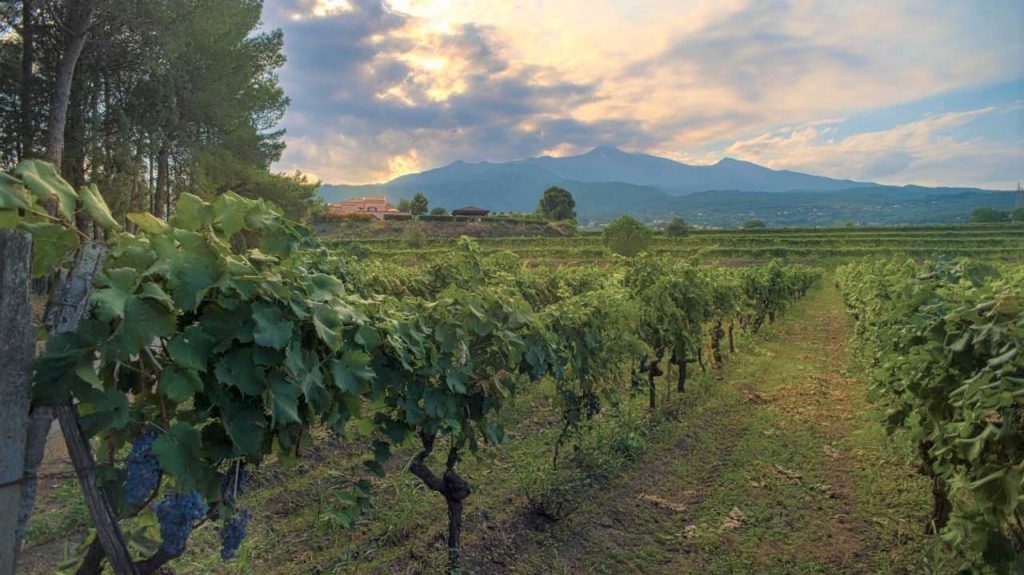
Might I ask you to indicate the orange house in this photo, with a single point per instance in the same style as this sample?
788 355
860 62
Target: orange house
376 206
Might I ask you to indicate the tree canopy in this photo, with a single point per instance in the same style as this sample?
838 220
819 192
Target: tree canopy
557 204
754 224
677 227
627 236
985 214
418 206
164 97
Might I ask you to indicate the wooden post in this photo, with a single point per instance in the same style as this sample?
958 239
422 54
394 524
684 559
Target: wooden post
16 355
64 314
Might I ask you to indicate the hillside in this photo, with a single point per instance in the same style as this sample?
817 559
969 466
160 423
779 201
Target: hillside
608 182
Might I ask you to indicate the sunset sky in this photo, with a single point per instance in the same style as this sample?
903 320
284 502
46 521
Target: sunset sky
893 91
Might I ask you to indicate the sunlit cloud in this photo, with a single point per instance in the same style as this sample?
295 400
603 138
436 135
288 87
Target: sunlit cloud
924 151
379 89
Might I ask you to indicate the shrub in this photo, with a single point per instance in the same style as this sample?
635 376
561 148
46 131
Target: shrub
676 228
627 237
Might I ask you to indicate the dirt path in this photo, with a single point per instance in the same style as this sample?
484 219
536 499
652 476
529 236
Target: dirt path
784 471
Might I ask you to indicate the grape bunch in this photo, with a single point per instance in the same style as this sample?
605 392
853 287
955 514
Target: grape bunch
143 470
233 533
177 512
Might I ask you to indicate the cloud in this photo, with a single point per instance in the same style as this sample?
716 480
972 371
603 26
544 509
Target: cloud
379 89
376 94
926 151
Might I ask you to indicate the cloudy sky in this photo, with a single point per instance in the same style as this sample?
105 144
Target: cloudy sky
894 91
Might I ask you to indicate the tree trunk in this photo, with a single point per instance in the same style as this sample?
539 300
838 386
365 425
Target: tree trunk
68 303
681 382
16 355
103 515
78 19
163 178
771 317
732 344
653 371
652 396
451 486
28 58
717 333
941 506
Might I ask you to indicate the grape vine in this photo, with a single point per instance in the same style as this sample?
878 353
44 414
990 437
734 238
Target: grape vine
226 333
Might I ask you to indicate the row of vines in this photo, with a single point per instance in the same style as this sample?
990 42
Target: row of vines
227 333
946 341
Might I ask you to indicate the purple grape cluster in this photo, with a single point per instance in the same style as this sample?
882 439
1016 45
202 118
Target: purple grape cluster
233 533
177 512
143 470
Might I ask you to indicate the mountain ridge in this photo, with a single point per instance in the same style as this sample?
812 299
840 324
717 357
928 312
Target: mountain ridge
607 181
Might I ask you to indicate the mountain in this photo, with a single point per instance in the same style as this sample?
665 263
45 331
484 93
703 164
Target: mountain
608 182
609 164
517 185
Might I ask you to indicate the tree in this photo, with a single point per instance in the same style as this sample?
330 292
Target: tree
754 224
418 206
1017 215
557 204
985 214
626 236
156 98
404 205
439 211
676 228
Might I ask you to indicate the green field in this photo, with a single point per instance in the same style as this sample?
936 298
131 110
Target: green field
759 452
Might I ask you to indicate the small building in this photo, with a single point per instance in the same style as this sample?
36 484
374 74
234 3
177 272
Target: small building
376 206
471 211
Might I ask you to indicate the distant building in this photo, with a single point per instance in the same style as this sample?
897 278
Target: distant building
471 211
376 206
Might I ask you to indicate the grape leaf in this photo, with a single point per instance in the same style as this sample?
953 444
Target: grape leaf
271 329
180 384
178 451
284 402
192 213
12 193
51 245
191 349
144 320
97 208
149 223
230 210
46 184
117 286
237 369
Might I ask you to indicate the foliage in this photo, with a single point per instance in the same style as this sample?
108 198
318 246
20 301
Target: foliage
754 224
418 206
627 237
438 211
557 204
945 339
676 228
985 215
223 335
186 92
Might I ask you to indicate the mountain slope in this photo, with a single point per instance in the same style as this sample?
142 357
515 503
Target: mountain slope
517 185
608 182
608 164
